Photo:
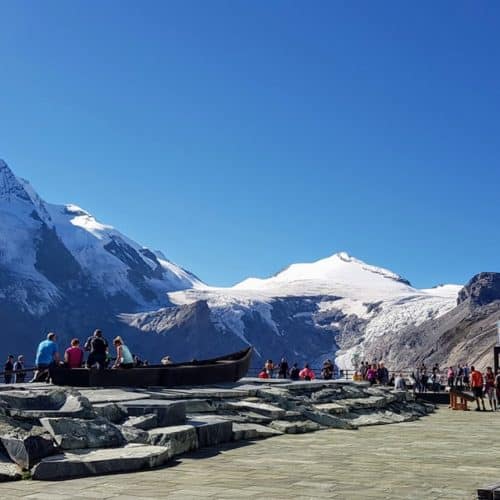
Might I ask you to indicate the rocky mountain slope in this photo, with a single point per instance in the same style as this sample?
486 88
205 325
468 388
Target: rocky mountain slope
62 270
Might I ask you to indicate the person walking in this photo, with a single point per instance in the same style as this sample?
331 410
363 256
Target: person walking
19 373
450 376
8 369
476 382
295 372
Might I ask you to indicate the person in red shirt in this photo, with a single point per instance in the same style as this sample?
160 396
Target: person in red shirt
306 373
73 356
263 373
476 382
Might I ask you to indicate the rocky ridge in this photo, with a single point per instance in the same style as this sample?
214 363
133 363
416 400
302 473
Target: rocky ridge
50 434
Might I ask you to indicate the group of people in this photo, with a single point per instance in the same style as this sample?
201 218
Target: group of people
375 373
487 384
96 345
283 370
13 371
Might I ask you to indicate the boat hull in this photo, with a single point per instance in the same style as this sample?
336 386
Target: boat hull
228 368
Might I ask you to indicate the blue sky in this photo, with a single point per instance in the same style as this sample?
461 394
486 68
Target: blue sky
239 137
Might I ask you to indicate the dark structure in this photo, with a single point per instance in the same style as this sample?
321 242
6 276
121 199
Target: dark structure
228 368
496 355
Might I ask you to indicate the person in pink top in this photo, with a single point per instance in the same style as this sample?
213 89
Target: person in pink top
73 356
306 373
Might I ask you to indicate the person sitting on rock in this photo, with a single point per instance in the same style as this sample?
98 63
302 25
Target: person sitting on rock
47 355
73 356
124 358
263 373
476 383
98 350
306 373
294 372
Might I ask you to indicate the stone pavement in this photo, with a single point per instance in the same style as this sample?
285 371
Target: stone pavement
446 455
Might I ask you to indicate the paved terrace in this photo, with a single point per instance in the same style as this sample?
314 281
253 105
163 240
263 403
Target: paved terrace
447 455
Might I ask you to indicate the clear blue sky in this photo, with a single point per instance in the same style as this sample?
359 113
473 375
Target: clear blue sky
241 136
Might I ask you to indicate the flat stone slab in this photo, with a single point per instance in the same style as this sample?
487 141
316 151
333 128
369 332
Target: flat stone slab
79 463
73 433
274 412
366 403
73 405
143 422
112 395
332 408
181 438
253 431
113 412
168 412
199 393
381 418
211 430
287 427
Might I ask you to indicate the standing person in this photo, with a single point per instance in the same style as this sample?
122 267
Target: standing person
371 374
327 370
98 350
476 382
451 376
283 368
399 383
73 356
460 377
8 369
497 386
382 374
306 373
46 355
364 369
124 358
489 388
294 372
19 373
466 376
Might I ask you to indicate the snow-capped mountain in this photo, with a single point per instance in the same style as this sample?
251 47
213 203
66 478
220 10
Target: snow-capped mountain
339 304
44 246
56 257
62 270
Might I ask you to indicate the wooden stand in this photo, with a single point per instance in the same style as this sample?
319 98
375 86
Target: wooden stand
457 402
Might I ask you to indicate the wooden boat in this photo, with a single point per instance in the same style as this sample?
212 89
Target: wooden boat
229 368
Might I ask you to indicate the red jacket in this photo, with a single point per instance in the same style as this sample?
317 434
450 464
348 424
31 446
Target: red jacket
307 372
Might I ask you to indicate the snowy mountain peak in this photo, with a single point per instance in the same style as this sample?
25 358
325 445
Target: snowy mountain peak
340 274
10 186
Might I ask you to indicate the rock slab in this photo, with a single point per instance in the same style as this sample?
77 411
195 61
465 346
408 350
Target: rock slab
212 430
80 463
73 433
181 438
